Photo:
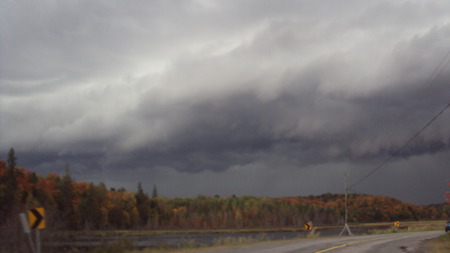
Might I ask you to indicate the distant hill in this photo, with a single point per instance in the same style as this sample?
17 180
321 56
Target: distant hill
84 205
370 208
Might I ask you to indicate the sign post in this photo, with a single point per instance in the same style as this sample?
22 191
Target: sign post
26 228
396 225
38 241
36 219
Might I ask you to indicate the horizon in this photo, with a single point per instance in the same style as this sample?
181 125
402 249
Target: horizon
135 190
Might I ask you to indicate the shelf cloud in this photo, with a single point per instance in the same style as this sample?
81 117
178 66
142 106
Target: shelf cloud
230 97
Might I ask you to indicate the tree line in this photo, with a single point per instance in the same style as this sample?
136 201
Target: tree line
72 205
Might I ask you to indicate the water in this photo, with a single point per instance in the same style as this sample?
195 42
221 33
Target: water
175 240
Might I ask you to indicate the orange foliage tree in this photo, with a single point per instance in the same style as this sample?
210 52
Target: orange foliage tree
447 194
80 205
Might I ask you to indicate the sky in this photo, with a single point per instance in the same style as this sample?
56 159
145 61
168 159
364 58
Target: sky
255 97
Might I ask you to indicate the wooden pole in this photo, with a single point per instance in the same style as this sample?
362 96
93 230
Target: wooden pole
346 228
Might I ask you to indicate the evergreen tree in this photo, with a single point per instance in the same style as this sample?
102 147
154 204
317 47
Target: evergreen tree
8 185
90 207
10 177
65 200
155 192
12 159
3 195
142 204
141 197
155 210
33 178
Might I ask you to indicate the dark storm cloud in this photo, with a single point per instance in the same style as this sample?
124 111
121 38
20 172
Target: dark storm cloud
215 92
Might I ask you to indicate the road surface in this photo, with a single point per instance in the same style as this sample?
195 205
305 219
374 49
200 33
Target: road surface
386 243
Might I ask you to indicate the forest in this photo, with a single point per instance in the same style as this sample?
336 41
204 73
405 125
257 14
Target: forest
72 205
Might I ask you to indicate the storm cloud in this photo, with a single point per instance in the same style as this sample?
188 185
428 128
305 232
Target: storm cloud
230 97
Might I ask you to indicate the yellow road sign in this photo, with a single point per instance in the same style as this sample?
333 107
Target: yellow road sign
397 224
307 226
36 218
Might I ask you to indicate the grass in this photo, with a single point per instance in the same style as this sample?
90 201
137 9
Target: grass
117 247
438 245
313 234
103 233
410 226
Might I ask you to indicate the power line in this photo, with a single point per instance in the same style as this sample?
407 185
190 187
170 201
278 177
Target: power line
445 61
437 71
399 149
431 80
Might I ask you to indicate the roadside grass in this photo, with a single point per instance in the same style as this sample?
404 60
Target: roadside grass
438 245
313 234
410 226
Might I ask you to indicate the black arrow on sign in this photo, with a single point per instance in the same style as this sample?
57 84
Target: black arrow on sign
307 226
38 220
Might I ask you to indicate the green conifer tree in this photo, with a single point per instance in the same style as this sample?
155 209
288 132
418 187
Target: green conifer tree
155 192
8 185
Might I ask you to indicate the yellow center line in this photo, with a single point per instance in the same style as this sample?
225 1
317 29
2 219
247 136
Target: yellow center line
335 247
346 244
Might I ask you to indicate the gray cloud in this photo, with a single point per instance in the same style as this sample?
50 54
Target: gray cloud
209 93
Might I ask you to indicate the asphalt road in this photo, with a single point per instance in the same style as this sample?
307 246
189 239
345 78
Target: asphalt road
386 243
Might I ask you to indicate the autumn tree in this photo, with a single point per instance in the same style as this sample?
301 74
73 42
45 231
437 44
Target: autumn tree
92 209
447 194
123 213
74 205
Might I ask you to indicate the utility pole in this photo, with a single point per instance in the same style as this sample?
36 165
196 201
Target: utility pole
346 228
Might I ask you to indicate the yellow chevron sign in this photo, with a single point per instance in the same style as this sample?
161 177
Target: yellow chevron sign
36 218
307 226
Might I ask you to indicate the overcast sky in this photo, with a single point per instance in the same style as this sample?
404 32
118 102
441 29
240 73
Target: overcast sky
265 98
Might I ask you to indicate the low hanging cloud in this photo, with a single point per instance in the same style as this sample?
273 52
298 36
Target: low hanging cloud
208 87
